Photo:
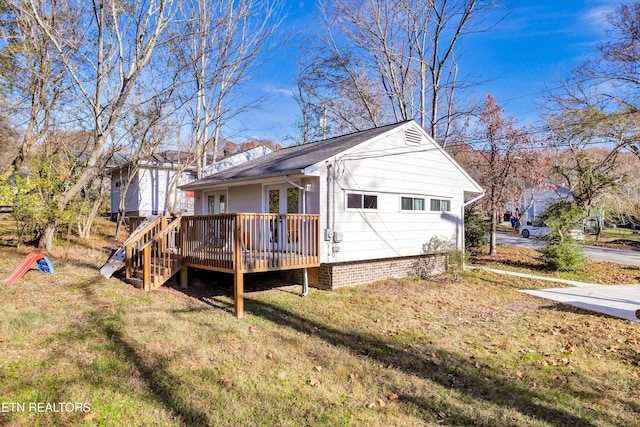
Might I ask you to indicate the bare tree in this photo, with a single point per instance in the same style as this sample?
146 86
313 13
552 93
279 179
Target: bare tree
604 90
311 124
623 202
500 158
389 60
31 78
103 54
8 140
219 50
94 197
595 117
589 144
145 129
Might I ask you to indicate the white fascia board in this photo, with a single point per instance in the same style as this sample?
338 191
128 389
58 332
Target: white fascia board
313 170
166 166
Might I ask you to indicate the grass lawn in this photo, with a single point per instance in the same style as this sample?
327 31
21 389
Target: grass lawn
615 234
529 261
393 353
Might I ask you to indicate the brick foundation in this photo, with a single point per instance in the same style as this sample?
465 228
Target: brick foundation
337 275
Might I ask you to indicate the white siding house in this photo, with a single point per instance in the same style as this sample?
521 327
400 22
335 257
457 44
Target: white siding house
152 190
381 194
149 192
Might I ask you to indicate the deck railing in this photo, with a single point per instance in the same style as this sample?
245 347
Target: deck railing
236 243
207 241
250 242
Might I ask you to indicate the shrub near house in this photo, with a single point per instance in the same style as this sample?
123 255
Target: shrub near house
562 252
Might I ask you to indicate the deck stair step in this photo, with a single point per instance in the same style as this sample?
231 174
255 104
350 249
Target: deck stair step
153 258
158 270
136 282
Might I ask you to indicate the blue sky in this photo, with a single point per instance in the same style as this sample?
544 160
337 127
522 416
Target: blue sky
535 45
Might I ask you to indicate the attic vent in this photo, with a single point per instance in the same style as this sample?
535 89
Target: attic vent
412 136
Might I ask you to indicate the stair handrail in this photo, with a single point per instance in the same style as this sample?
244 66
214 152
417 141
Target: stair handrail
146 252
132 240
165 230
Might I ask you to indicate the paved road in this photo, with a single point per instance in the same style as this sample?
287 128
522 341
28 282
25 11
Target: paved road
593 252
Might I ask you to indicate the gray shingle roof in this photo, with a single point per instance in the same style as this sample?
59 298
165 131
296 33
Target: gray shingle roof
293 159
161 158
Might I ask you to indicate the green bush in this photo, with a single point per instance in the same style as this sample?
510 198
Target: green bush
563 255
476 230
560 218
442 255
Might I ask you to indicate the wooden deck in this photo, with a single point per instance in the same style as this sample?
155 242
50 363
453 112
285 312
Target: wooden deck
235 243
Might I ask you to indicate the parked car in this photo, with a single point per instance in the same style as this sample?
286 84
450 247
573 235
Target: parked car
527 231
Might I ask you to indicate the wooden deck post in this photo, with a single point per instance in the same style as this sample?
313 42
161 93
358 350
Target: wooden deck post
146 268
184 277
237 244
128 267
238 275
238 294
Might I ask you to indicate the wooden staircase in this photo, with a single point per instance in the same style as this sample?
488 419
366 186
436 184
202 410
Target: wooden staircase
153 256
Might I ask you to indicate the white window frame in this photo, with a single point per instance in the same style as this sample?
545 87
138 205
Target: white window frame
283 196
362 194
413 198
216 194
440 200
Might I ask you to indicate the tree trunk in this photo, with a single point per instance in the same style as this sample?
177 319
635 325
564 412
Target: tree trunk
86 230
45 241
132 172
492 240
120 220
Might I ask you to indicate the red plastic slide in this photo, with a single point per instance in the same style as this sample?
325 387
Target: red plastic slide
24 266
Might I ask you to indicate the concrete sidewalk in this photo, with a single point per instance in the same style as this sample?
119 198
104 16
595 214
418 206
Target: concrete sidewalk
622 301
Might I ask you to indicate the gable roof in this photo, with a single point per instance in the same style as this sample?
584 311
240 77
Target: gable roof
293 159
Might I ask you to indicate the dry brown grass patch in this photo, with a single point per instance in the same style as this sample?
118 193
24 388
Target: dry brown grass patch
398 352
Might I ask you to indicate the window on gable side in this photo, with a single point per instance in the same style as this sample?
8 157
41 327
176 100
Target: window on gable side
412 203
439 205
362 201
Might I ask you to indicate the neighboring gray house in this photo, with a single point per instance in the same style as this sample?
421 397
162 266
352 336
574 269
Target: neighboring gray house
237 159
537 200
153 190
147 192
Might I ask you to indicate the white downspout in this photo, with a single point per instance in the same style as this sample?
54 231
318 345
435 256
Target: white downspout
305 275
464 205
